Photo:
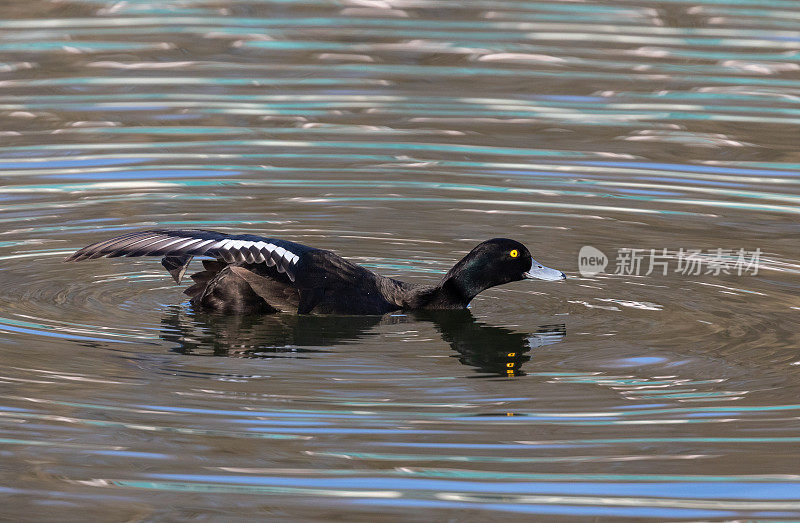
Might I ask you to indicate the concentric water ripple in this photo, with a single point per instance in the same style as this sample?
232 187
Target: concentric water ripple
400 133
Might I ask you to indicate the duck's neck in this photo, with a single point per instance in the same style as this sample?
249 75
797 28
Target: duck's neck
448 294
455 290
461 284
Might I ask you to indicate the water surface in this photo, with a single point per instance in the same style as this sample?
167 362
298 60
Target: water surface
399 134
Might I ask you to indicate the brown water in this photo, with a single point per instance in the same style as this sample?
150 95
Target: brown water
400 133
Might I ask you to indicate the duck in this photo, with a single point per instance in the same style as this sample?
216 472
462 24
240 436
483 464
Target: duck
252 274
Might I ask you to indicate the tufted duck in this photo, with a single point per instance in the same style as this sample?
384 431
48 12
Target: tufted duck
253 274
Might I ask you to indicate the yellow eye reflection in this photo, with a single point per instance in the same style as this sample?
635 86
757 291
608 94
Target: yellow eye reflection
514 253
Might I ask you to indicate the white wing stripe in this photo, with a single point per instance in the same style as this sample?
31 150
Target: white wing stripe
269 252
223 244
180 243
201 245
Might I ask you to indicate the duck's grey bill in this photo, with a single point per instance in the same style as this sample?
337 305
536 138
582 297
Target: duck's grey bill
540 272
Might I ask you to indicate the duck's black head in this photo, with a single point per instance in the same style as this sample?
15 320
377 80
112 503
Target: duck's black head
494 262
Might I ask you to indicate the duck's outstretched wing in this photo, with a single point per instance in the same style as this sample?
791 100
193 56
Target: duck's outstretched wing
270 267
179 246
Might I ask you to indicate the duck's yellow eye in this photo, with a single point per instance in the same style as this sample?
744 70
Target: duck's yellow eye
514 253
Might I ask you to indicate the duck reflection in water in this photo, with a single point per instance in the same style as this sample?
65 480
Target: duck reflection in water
490 349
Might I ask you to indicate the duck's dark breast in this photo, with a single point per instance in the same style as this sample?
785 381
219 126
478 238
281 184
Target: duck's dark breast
354 301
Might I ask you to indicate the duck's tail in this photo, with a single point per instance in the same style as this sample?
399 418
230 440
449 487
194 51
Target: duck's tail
225 288
201 279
